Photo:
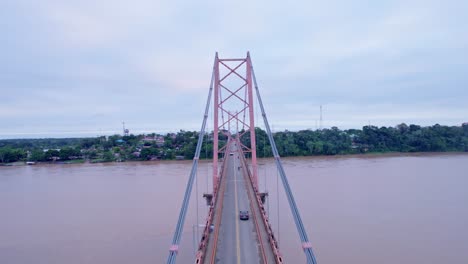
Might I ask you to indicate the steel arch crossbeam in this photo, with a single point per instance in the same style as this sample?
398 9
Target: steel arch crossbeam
233 93
234 118
232 70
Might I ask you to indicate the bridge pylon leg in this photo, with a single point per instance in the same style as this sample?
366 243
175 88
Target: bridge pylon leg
233 79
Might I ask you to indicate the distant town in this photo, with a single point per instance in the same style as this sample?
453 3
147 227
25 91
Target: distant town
181 145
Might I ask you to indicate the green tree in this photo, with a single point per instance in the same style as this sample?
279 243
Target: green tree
37 155
8 154
108 156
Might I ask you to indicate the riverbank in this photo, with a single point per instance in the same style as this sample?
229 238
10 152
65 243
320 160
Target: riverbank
181 145
354 155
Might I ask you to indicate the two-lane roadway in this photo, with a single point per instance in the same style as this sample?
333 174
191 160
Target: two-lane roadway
237 241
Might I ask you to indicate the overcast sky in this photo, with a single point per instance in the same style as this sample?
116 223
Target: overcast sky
80 68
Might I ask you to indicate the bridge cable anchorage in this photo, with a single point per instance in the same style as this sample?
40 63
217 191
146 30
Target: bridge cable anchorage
292 203
183 210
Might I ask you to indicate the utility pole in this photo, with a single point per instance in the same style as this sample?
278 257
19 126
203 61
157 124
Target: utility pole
321 119
125 131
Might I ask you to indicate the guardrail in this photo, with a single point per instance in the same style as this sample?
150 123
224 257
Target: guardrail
266 223
202 247
205 237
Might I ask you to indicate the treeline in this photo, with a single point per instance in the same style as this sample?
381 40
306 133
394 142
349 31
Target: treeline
369 139
104 149
402 138
42 149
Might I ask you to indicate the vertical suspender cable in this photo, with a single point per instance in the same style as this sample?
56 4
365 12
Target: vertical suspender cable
292 203
183 210
277 206
245 98
196 203
222 111
208 173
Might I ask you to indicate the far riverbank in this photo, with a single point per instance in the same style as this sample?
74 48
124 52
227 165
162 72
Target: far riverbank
361 155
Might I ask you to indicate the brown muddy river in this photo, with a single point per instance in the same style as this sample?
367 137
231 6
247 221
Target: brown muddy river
357 209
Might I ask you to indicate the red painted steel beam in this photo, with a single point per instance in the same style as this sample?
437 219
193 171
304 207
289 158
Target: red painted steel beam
216 128
243 59
253 144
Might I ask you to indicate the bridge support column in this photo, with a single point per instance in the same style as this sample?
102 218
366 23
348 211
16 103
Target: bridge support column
216 123
253 143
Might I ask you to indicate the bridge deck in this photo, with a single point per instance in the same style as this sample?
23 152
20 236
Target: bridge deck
237 241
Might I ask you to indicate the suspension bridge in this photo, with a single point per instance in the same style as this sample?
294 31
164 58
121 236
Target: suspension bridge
226 238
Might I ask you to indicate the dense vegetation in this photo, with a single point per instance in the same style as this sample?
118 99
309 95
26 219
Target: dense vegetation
402 138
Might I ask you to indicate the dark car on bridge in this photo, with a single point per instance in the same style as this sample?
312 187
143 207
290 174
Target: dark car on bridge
244 215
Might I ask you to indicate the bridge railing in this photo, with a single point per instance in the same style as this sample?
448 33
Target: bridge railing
205 237
271 237
204 241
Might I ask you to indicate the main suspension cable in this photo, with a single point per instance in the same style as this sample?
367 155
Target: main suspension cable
183 210
306 245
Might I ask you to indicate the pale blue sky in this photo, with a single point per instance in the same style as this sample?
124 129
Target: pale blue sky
70 68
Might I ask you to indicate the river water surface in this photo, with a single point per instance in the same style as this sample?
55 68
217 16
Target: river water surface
386 209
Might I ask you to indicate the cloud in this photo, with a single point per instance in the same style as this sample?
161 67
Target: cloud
97 24
89 64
